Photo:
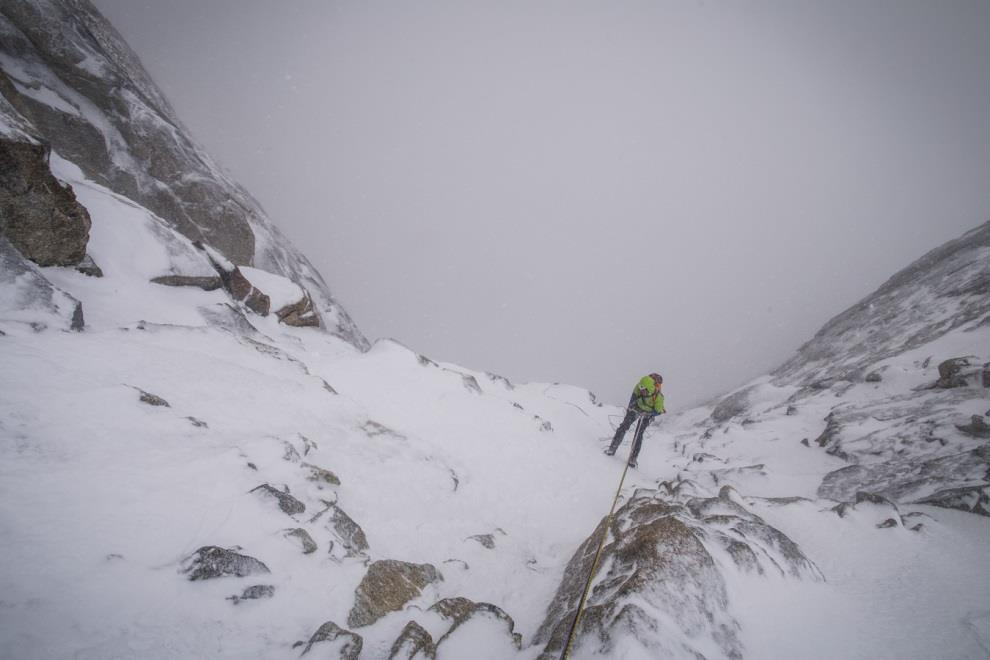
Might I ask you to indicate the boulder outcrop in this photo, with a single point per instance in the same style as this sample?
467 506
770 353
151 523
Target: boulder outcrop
212 561
236 284
301 314
286 502
39 215
387 587
659 584
343 644
348 534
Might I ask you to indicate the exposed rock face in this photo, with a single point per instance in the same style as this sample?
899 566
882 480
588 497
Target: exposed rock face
413 643
301 314
656 565
211 561
907 443
236 284
658 581
916 452
29 300
973 499
73 82
138 148
955 280
39 215
344 644
243 291
387 587
286 502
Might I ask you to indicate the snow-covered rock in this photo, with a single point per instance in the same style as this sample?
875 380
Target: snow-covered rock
413 643
286 502
212 562
28 299
944 290
70 79
661 586
332 641
306 541
834 497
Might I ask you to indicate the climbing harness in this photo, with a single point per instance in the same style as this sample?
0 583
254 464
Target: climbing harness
643 419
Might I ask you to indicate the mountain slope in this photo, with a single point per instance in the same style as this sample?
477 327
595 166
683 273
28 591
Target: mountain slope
67 77
183 475
842 452
106 498
947 288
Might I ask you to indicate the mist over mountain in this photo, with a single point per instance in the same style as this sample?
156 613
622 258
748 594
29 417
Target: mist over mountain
202 456
491 182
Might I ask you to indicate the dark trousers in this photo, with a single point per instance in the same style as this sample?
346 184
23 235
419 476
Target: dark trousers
644 421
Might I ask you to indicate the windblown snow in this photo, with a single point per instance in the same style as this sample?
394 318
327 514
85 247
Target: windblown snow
199 458
105 496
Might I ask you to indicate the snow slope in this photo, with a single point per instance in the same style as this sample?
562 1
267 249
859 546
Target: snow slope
428 456
103 496
794 518
68 78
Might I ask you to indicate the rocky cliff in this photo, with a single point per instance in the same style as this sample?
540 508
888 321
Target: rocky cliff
881 416
69 80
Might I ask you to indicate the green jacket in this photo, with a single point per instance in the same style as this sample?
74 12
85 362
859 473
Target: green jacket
647 397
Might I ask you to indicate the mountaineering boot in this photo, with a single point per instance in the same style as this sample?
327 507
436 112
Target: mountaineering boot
609 451
632 463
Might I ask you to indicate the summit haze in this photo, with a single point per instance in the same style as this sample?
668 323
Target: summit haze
583 192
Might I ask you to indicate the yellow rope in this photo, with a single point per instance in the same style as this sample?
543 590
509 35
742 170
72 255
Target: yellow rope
598 554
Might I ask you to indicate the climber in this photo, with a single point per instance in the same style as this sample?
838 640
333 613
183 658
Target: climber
645 403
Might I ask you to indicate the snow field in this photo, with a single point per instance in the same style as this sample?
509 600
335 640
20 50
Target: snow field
102 496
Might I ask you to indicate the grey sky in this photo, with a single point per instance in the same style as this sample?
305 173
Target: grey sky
588 191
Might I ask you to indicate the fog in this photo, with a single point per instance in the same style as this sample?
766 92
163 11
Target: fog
586 192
